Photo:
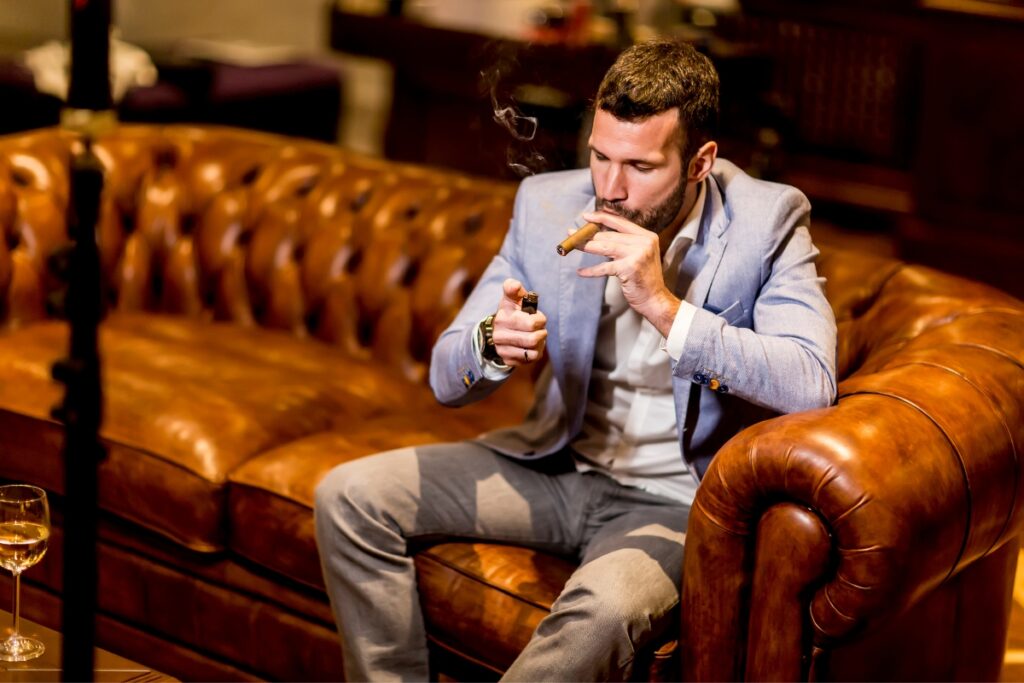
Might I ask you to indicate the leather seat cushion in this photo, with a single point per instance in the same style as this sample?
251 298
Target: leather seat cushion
271 496
485 600
185 402
486 597
480 600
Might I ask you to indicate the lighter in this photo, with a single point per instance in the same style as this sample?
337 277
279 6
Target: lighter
529 304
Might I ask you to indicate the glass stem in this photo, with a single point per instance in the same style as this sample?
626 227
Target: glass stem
17 605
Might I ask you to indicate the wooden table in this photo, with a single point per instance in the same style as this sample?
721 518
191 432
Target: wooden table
109 668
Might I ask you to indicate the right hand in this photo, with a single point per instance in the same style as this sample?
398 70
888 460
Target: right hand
518 337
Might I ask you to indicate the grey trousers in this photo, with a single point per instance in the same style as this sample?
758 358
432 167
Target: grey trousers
629 542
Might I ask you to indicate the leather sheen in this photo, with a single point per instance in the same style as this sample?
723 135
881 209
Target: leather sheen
272 307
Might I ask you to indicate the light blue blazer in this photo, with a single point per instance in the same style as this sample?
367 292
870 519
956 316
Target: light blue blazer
763 329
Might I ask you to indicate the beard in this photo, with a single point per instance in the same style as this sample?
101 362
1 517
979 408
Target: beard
655 218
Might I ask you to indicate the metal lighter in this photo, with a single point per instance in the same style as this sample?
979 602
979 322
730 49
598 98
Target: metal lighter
529 304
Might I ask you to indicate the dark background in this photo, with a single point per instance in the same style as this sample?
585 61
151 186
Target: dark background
903 121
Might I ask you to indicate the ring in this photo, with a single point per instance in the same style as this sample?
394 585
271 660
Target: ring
526 355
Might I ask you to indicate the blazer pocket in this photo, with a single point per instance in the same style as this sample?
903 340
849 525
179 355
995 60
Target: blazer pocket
732 313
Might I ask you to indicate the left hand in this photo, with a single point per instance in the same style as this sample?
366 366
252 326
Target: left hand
634 255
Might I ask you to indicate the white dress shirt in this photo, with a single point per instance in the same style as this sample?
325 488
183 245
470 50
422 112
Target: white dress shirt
629 427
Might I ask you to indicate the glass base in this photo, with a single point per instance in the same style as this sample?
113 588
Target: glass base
18 648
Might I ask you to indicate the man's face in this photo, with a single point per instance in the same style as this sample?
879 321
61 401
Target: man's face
637 168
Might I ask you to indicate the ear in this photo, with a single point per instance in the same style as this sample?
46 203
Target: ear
702 161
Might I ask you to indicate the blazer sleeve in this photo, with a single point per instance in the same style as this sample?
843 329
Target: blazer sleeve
786 361
456 370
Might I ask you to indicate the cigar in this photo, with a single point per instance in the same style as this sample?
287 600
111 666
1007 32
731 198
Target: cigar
578 238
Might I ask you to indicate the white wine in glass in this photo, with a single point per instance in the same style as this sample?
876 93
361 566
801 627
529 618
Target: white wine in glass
24 533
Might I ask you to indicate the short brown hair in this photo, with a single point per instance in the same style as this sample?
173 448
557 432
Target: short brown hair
654 77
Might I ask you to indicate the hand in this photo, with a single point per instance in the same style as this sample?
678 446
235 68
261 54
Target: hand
634 257
518 337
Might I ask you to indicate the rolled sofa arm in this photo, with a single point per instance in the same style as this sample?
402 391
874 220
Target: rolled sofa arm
914 475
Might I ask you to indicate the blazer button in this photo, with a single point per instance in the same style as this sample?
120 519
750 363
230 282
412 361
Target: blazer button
700 378
723 389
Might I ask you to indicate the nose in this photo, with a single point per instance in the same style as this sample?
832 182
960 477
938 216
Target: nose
613 185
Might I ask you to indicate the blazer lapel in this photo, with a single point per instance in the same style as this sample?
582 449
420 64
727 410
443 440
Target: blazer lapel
705 255
701 264
579 311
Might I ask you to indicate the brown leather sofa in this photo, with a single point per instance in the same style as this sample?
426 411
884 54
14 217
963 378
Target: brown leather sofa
271 308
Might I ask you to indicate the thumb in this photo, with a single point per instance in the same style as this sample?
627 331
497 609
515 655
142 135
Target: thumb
512 293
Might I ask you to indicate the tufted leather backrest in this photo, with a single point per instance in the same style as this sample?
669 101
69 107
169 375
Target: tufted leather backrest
882 304
372 256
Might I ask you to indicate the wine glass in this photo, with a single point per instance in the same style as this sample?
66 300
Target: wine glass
24 532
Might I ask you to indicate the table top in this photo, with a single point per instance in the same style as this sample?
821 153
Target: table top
109 668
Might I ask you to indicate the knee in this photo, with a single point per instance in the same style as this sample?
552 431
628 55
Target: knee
342 509
365 489
620 615
344 488
625 611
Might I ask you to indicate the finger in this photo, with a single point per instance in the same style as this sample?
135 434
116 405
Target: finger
518 321
612 237
537 321
527 322
600 270
533 355
512 291
516 356
609 248
526 340
614 222
626 247
512 362
512 355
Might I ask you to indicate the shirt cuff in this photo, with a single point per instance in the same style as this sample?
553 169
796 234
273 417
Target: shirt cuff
673 345
492 370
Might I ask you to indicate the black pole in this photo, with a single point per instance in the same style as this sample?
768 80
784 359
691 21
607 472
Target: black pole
81 413
395 7
88 110
89 28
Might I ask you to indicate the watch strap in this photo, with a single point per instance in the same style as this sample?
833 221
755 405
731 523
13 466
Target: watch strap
487 348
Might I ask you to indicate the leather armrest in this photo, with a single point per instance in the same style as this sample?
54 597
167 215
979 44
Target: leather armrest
915 474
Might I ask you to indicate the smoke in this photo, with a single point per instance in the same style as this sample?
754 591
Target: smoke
526 163
522 155
524 129
521 127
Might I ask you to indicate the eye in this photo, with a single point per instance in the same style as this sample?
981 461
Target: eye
643 168
598 155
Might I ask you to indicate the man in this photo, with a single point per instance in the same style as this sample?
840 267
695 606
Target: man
696 311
